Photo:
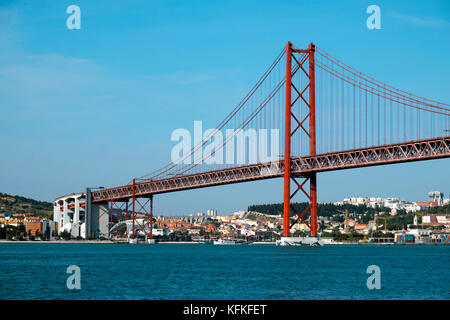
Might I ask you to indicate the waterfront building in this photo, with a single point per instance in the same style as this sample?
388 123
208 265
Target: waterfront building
419 236
34 227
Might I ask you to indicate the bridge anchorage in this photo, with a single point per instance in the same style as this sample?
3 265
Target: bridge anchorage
333 118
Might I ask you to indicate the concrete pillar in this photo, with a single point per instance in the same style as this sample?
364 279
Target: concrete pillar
98 221
104 220
76 218
65 218
56 213
87 214
52 228
76 215
83 230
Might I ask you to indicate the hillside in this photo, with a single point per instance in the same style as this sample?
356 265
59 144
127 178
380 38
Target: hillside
329 209
18 204
262 217
323 209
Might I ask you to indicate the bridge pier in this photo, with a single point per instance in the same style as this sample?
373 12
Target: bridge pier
117 208
97 220
140 207
313 193
308 55
96 217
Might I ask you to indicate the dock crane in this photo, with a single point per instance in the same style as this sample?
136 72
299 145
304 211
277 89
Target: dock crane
346 219
383 218
376 226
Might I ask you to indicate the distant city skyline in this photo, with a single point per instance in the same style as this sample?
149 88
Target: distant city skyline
96 106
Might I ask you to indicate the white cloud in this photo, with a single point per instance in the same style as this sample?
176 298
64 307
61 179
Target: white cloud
420 22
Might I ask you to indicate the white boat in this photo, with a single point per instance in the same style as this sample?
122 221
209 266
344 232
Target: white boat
299 241
227 242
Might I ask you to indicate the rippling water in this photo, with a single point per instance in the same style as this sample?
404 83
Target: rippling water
195 271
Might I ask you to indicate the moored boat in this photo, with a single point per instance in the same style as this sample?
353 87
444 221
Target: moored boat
228 242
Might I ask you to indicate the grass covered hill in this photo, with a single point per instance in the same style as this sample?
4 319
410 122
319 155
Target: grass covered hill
18 204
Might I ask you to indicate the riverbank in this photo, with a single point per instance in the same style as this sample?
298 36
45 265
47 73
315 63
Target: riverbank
58 241
95 241
199 242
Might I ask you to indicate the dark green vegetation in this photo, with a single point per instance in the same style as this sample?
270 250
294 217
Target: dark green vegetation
443 209
19 233
323 209
398 222
18 204
329 210
8 232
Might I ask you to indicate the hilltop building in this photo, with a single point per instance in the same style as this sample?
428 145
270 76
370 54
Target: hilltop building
436 196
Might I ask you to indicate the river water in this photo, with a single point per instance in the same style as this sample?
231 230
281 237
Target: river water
205 271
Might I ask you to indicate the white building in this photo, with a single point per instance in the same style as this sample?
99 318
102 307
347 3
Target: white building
392 203
70 214
436 196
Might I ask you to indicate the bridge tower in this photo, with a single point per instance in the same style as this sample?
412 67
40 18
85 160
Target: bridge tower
299 57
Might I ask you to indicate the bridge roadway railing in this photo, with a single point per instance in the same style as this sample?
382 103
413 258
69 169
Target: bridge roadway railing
418 150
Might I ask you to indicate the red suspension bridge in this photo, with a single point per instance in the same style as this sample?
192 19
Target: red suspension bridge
333 117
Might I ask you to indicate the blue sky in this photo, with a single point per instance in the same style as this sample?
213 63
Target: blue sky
97 106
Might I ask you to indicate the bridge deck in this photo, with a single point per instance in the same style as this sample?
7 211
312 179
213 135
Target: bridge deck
417 150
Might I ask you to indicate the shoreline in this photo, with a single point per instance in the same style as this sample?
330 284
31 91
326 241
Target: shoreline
199 242
58 241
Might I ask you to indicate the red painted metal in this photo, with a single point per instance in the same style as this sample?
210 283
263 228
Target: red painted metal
313 200
114 204
305 167
143 211
312 139
417 150
140 209
287 144
311 133
151 217
110 217
133 204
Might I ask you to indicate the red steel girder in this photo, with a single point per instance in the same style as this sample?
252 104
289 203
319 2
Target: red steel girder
300 216
114 203
417 150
